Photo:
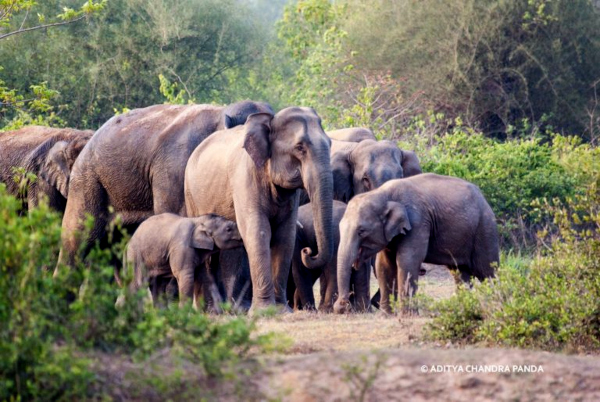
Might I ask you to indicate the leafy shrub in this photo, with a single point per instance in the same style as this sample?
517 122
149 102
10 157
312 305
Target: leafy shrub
44 336
516 175
553 304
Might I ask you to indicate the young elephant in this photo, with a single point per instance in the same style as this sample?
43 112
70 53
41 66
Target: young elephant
167 245
426 218
300 289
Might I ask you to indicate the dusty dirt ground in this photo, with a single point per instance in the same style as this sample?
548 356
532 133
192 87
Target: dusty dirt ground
371 357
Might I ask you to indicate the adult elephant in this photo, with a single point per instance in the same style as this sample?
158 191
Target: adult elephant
352 134
49 153
427 218
364 166
251 174
135 163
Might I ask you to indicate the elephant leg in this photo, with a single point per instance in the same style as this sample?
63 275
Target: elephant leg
167 191
385 266
297 301
158 290
88 197
304 279
205 286
361 279
183 265
256 234
463 276
282 249
410 254
291 288
232 273
329 288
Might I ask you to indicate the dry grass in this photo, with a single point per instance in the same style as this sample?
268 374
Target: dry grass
311 332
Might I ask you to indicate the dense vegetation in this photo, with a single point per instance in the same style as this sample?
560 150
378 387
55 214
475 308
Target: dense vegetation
44 331
501 93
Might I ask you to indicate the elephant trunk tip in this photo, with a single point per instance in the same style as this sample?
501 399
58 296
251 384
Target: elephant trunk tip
311 261
341 306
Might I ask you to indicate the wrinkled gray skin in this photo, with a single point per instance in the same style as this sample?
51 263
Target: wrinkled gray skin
364 166
301 282
136 162
426 218
251 174
49 153
170 246
352 134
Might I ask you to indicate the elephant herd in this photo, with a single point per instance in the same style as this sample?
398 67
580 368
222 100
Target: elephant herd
242 204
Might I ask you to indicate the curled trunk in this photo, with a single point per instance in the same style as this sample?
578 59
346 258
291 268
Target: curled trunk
319 185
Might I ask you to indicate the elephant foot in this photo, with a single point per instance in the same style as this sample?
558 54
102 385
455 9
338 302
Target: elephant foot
266 308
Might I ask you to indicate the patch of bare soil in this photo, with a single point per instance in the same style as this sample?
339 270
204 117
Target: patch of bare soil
402 375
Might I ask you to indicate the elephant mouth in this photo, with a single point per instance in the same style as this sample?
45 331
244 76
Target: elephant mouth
364 253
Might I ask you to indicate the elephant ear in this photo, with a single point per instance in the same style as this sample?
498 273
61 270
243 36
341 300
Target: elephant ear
201 240
343 189
229 121
410 163
256 142
56 169
395 220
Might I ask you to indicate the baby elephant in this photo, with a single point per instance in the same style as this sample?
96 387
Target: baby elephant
425 218
300 284
167 245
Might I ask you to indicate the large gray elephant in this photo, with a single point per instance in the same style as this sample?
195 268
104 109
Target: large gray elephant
169 246
135 163
49 153
301 282
364 166
251 174
426 218
352 134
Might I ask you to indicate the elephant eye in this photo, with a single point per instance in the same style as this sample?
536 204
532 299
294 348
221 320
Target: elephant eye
299 147
366 182
362 232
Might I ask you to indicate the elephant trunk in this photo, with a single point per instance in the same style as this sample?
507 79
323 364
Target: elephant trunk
347 255
319 185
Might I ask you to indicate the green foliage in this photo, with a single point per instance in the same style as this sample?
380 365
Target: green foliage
112 61
49 323
493 62
172 95
552 304
516 175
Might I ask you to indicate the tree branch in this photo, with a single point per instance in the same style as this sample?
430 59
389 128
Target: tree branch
41 27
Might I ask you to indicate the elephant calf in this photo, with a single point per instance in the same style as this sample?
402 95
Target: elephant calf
300 290
426 218
167 245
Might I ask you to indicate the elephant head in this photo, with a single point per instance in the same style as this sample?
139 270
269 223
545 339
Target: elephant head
53 160
214 230
237 113
293 151
365 167
368 226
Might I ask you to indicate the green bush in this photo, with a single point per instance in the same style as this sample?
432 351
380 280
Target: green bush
551 304
45 335
515 176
